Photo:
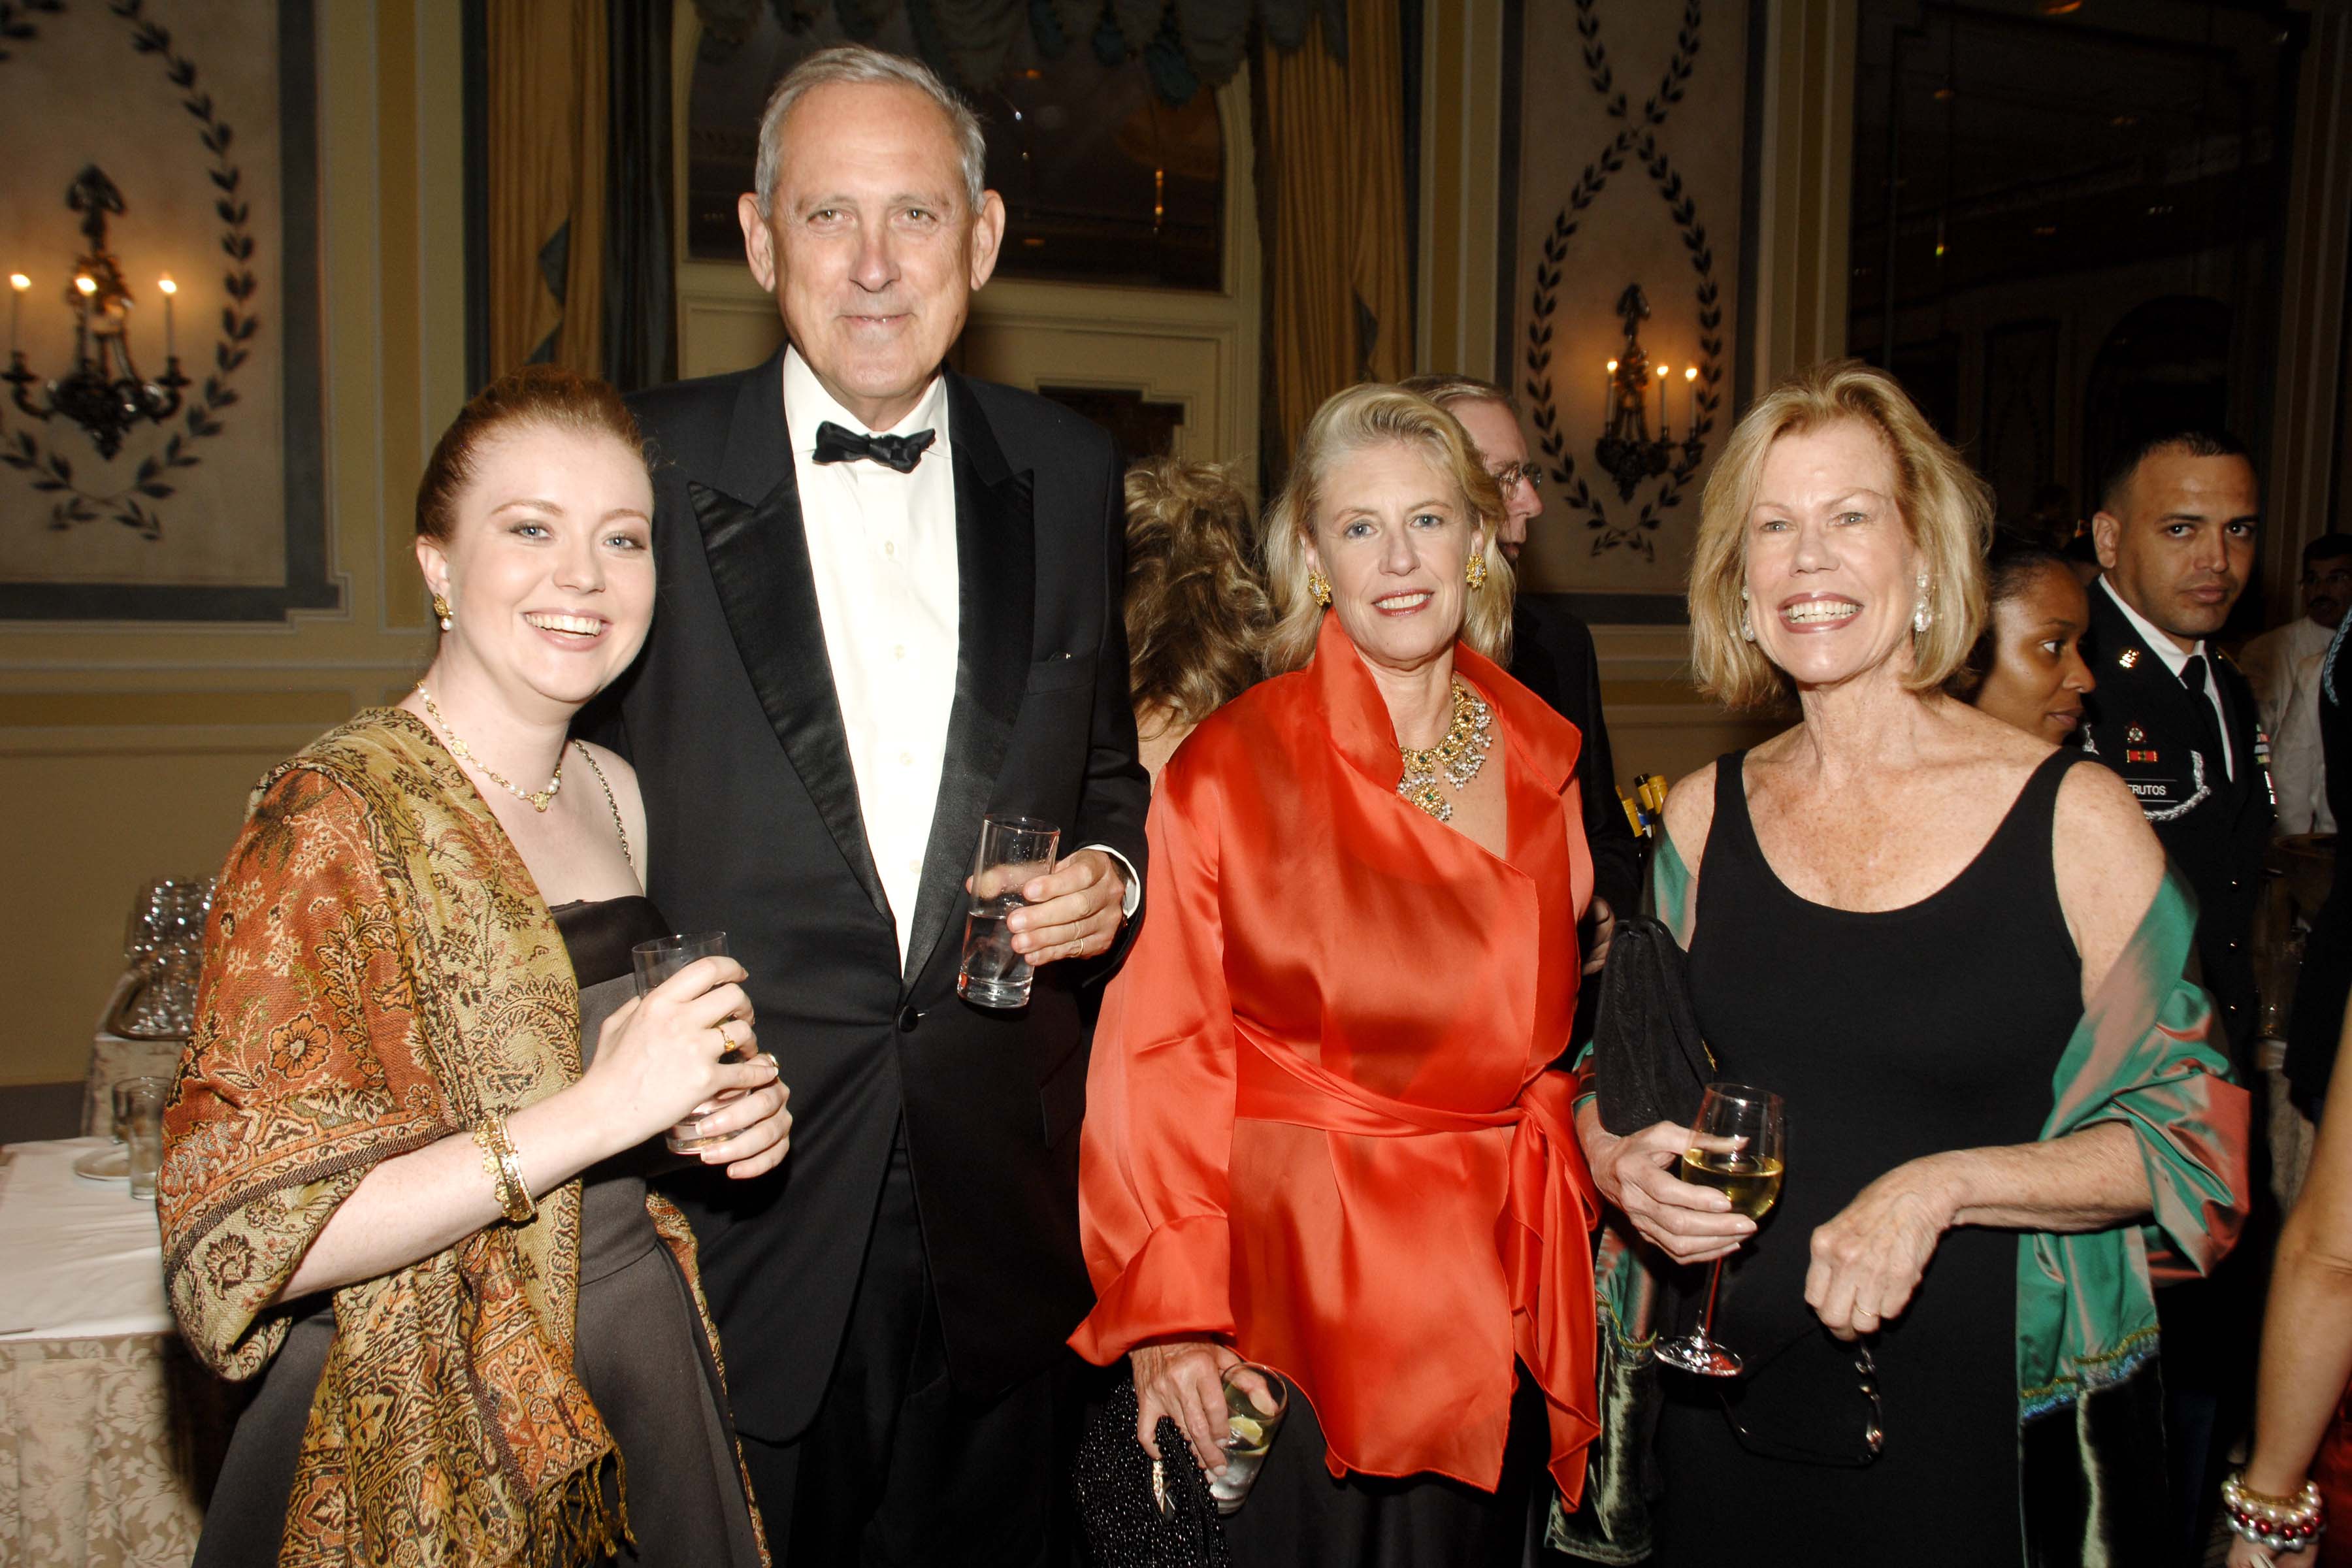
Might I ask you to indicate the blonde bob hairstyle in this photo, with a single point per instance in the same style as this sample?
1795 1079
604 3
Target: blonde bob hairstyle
1374 413
1945 508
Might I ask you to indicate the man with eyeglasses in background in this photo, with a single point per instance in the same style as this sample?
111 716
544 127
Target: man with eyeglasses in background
1552 651
2282 665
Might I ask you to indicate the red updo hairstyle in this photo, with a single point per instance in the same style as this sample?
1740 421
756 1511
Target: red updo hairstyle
538 394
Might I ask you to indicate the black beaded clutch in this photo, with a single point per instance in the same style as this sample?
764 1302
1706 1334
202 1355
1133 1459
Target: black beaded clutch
1139 1512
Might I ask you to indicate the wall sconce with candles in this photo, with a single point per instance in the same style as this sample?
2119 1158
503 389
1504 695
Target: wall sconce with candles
104 393
1626 450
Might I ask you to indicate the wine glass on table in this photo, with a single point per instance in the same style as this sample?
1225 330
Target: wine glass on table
1737 1147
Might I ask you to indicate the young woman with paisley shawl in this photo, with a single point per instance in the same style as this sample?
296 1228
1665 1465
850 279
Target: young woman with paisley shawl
401 1187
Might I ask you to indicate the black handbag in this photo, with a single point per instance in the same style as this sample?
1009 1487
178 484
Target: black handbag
1139 1512
1649 1063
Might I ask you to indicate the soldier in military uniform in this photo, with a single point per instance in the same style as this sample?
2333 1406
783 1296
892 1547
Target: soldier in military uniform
2172 714
2176 541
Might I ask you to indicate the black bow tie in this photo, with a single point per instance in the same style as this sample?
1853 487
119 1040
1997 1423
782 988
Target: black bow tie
835 445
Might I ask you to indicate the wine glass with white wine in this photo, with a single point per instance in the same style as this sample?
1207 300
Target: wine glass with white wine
1737 1146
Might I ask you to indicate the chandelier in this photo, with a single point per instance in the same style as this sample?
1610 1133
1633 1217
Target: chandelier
104 393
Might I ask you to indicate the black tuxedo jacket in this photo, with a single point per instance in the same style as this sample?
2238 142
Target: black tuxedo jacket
1552 655
2142 722
732 723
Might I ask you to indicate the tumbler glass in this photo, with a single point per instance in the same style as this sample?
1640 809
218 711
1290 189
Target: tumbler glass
1013 851
1257 1399
143 1132
656 961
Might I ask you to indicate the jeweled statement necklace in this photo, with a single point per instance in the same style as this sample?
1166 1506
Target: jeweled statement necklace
1456 759
537 799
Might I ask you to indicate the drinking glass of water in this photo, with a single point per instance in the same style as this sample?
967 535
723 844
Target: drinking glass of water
1257 1399
1013 850
656 961
142 1130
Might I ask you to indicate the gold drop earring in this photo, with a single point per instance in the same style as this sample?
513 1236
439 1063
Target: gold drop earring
1317 586
441 611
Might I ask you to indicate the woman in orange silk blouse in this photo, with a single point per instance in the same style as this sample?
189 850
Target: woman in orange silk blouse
1323 1131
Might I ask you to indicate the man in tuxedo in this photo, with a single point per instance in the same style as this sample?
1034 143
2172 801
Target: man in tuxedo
2174 533
889 606
1551 647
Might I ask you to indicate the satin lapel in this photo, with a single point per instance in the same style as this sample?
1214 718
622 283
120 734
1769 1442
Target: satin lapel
996 558
757 552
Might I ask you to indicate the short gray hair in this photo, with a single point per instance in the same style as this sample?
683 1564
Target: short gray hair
856 63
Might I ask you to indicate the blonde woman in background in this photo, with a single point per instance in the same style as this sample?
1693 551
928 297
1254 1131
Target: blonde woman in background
1196 612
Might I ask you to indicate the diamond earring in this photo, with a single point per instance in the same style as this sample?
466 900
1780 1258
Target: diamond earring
1475 573
1922 618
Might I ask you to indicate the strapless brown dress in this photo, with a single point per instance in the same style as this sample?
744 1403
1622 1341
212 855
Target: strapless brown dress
639 1348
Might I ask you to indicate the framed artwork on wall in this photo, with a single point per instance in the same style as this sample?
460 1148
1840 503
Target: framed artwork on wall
1623 240
160 441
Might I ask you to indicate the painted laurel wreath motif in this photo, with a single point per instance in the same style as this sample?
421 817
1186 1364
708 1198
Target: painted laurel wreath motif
52 473
1637 139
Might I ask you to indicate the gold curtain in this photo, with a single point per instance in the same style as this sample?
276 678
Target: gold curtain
546 113
1330 171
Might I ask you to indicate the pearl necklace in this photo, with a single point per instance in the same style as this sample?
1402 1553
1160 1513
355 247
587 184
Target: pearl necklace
539 800
1457 758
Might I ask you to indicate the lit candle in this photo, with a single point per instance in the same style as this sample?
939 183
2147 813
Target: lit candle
17 284
169 289
1690 403
1662 403
1608 387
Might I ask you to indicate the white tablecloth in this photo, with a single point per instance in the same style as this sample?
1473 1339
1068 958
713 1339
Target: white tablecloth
96 1453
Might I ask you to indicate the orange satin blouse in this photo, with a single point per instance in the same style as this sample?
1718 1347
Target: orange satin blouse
1320 1120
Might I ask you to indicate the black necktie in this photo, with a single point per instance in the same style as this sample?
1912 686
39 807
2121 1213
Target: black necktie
835 445
2193 676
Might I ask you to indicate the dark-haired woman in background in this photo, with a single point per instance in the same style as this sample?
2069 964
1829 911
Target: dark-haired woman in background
1196 612
390 1191
2027 669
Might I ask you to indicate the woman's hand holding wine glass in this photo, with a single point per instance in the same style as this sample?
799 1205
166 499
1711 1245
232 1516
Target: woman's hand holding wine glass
1737 1146
1688 1222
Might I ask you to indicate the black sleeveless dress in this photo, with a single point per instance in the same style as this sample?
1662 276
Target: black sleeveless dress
1890 1035
638 1348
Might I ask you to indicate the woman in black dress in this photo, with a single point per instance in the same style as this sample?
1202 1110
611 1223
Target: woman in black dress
403 1183
1955 953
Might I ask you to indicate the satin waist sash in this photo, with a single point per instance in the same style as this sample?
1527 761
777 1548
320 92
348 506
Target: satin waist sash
1552 1204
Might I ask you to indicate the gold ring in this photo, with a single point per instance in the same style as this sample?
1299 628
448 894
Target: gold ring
726 1042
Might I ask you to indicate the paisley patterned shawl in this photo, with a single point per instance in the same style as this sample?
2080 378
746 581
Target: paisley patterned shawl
381 972
2142 1055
